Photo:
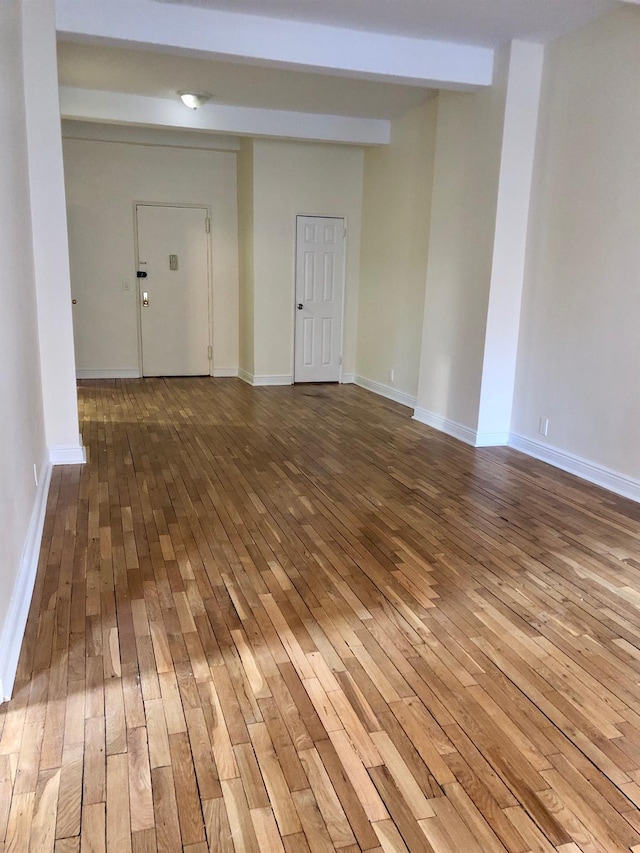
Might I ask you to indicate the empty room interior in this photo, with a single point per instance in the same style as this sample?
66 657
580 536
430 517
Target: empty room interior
320 464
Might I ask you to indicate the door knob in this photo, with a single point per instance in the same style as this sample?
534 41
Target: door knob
300 306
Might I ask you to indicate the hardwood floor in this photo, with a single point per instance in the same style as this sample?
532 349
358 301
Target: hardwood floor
292 619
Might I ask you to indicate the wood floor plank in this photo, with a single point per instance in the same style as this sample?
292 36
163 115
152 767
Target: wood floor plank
293 619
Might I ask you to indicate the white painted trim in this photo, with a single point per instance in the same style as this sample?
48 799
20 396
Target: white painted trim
385 391
347 378
16 621
453 428
460 431
108 373
272 380
614 481
491 439
224 372
68 454
258 381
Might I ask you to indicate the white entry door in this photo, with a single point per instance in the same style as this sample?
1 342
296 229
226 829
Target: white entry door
319 293
173 251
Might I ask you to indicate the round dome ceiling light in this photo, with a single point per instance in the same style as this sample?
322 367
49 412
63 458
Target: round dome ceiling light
193 100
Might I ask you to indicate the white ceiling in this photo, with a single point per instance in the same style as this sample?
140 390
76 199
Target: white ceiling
490 23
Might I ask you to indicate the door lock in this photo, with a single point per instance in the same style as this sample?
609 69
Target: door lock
299 306
145 298
141 274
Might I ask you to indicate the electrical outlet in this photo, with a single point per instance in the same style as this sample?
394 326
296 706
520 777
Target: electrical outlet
543 427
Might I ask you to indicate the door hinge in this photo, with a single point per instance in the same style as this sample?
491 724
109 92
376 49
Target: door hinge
207 225
209 353
340 361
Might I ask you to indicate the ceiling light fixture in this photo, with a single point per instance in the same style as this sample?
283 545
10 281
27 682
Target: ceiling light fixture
193 100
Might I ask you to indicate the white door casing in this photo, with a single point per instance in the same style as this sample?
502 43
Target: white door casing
173 250
319 298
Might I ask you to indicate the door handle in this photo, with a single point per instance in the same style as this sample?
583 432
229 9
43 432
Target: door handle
145 298
300 306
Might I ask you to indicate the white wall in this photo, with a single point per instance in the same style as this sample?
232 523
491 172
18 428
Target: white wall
103 181
579 354
396 210
22 428
293 178
465 189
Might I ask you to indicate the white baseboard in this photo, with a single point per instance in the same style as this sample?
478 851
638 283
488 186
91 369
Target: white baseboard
108 373
272 380
258 381
453 428
224 372
347 378
16 621
460 431
385 391
597 474
68 454
491 439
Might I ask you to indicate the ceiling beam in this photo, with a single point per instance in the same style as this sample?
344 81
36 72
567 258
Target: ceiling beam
282 43
119 108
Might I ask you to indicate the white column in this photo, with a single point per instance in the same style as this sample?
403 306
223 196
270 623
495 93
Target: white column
49 224
509 248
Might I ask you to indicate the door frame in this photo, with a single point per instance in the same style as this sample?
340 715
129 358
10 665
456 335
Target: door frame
136 260
343 217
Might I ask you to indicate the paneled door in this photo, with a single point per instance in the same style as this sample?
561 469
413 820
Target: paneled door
173 288
319 298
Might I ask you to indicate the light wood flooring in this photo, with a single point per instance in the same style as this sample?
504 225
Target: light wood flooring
294 619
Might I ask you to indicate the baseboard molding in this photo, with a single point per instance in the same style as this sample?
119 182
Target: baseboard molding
16 621
385 391
491 439
225 372
599 475
258 381
453 428
67 454
272 380
108 373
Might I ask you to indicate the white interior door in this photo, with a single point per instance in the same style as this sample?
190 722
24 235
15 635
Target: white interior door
174 295
319 296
